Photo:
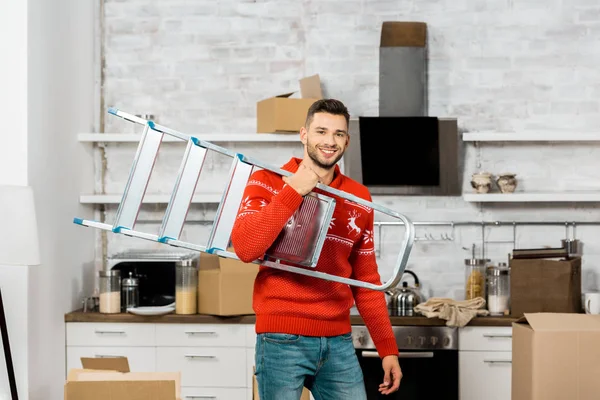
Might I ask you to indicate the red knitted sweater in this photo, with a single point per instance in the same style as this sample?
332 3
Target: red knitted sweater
286 302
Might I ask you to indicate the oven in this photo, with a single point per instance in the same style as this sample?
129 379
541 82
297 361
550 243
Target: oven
428 358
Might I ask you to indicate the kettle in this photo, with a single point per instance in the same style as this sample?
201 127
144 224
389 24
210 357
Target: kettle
403 300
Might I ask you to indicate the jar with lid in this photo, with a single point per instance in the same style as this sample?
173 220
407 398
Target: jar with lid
475 278
110 291
130 293
498 289
186 288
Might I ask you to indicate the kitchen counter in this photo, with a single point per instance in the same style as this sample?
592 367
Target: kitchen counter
80 316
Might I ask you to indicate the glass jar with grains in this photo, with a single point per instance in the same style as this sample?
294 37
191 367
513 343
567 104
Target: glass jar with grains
475 283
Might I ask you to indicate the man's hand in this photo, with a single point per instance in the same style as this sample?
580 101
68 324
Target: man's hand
392 376
303 181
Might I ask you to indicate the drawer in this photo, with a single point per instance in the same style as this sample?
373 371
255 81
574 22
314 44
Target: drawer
485 375
205 366
493 338
141 359
108 334
213 393
205 335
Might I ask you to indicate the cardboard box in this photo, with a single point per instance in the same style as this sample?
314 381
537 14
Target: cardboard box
255 396
545 285
282 114
225 285
556 357
110 379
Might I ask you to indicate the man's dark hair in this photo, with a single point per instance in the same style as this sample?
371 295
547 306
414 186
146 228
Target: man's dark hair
329 106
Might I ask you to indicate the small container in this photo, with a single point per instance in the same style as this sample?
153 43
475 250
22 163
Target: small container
110 291
186 288
130 293
498 289
475 278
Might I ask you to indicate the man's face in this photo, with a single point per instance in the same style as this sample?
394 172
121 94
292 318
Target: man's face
326 139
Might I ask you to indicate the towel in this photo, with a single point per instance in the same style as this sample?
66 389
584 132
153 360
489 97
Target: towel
455 312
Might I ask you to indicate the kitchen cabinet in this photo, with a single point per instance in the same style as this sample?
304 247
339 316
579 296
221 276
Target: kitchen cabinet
215 360
485 363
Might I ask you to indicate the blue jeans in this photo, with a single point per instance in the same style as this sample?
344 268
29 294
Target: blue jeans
327 366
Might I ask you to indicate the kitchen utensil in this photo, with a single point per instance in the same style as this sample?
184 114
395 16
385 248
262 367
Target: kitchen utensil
130 292
231 200
402 300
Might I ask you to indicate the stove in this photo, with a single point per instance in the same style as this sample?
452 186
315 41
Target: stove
423 352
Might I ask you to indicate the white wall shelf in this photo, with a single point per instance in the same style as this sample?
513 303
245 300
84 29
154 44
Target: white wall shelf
237 137
535 136
148 198
532 197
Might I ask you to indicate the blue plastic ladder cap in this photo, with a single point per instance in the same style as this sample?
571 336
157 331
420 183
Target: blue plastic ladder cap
196 141
151 124
78 221
212 250
113 110
165 238
240 156
118 229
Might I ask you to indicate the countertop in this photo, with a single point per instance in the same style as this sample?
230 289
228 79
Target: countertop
80 316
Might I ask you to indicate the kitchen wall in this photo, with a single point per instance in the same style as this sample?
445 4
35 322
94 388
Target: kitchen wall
529 65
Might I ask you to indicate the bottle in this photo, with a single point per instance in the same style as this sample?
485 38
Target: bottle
110 291
130 294
498 289
186 288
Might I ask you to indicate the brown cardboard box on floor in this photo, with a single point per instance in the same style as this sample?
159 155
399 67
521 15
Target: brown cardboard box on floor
282 114
255 396
556 356
225 285
110 379
545 285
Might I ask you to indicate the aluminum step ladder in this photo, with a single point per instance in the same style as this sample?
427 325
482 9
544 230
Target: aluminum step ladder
300 242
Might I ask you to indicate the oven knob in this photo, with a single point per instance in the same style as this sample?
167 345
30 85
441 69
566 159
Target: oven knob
446 341
434 340
422 339
361 338
409 340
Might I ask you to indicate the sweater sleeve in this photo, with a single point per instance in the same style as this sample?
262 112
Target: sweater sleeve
371 304
262 215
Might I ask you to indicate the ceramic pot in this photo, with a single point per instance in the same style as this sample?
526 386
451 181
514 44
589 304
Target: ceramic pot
507 183
481 182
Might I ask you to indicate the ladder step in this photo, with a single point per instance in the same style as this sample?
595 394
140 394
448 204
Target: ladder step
139 175
228 208
182 195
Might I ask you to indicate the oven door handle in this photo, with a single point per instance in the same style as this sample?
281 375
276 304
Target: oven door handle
404 354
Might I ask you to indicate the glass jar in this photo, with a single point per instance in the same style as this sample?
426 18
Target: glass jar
498 289
130 293
475 278
186 288
110 292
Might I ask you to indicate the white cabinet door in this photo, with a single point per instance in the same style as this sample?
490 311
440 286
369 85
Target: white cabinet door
205 366
141 359
110 334
204 335
485 375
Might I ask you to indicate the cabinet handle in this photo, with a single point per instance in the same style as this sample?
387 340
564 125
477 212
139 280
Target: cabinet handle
200 397
106 356
404 354
109 332
198 356
200 333
498 361
497 335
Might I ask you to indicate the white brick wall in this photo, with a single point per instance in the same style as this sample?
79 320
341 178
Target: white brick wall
201 66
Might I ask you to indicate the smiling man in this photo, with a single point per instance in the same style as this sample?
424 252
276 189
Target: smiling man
303 323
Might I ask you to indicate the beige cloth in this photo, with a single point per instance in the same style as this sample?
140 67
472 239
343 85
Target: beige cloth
456 312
